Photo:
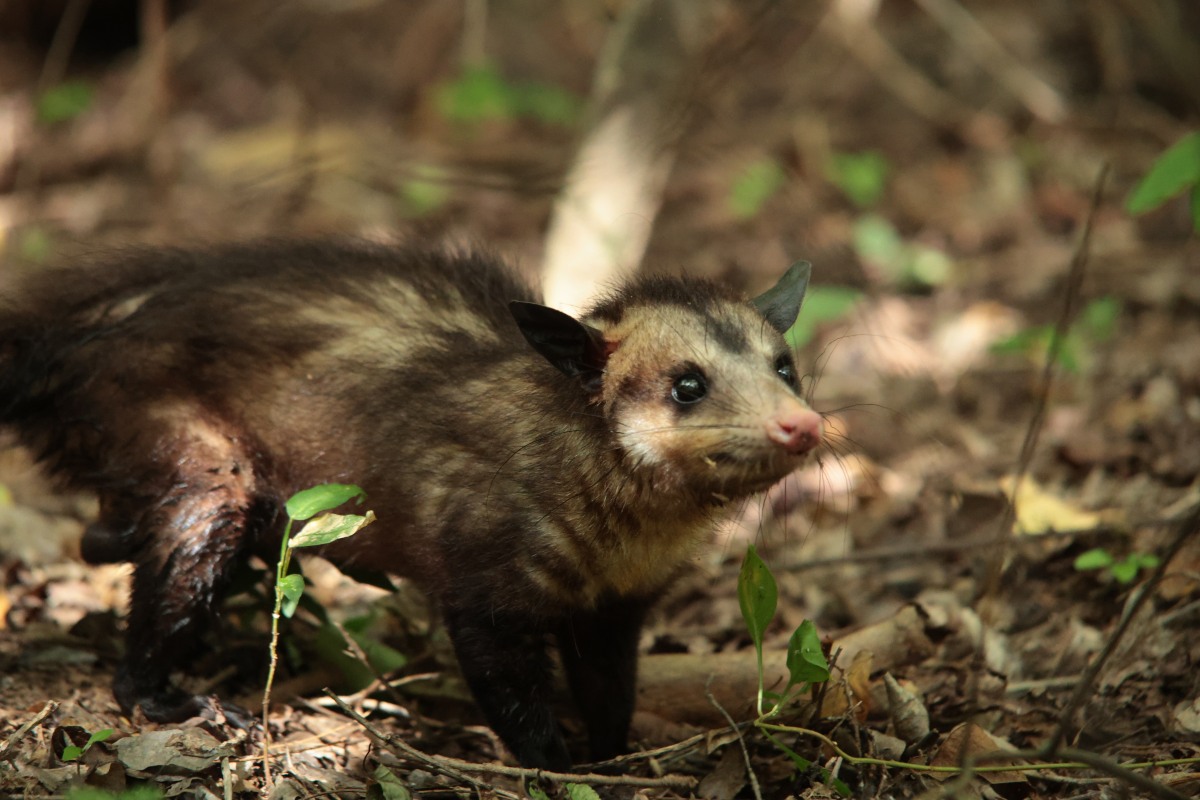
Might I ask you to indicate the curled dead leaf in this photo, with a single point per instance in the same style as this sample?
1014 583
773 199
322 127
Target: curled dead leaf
968 741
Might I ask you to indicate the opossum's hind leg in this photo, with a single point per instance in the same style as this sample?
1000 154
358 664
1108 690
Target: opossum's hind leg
188 547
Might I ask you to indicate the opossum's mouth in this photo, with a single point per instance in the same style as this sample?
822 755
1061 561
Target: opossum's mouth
738 476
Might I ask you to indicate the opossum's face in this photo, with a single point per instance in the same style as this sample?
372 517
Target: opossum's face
701 390
709 401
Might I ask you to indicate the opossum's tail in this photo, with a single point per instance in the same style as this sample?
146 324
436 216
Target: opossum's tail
36 377
28 363
47 321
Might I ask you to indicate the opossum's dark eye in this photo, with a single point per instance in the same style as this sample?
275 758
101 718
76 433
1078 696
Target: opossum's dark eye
689 388
786 370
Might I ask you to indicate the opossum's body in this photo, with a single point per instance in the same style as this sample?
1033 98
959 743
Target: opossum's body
540 479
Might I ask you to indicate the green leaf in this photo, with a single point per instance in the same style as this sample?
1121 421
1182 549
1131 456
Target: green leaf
929 266
1099 318
333 649
72 752
292 589
1021 342
801 763
481 93
1172 172
1124 571
536 792
754 187
821 304
1145 560
757 595
581 791
388 785
862 177
425 192
478 94
1096 558
64 102
1069 352
150 792
839 785
329 528
545 103
309 502
382 658
1196 208
1033 343
877 242
805 660
35 245
98 736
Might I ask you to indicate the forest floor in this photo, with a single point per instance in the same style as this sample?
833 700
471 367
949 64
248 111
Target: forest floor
943 211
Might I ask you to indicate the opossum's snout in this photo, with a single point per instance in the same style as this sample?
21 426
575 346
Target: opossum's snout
798 430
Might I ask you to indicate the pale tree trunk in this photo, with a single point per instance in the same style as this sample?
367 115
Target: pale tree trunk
602 219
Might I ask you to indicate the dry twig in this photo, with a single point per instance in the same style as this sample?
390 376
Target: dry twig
461 770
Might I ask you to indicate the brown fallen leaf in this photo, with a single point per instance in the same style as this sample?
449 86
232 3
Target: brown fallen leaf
971 741
727 778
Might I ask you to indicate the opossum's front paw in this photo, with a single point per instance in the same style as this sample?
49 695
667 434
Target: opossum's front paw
541 749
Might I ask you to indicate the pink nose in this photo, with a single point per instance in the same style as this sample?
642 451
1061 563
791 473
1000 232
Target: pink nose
797 430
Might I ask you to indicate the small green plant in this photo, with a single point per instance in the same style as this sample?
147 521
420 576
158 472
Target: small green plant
289 587
371 657
758 596
63 102
35 245
879 245
575 791
1096 325
481 93
1123 571
757 184
148 792
821 304
425 191
387 785
862 177
1176 171
806 665
328 528
74 753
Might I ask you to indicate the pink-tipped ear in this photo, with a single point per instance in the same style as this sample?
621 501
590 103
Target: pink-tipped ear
573 348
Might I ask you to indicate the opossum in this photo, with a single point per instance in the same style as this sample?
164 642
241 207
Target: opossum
541 477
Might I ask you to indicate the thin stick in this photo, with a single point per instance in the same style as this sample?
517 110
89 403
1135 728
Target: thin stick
10 743
1049 369
458 768
740 738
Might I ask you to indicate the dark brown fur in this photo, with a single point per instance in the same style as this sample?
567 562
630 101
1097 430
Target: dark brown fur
535 492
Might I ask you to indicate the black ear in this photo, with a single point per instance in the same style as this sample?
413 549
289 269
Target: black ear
780 305
574 348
